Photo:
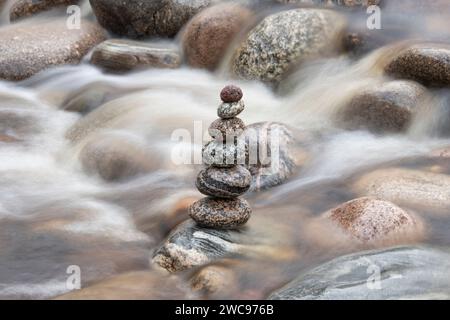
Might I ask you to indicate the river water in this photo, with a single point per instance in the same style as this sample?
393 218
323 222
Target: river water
53 214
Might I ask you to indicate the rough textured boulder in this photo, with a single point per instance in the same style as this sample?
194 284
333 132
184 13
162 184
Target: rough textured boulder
29 48
406 187
396 273
374 221
428 64
26 8
141 18
208 35
124 55
285 39
387 108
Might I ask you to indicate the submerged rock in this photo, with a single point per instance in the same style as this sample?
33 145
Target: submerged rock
140 18
29 48
26 8
371 221
125 55
428 64
115 157
406 187
387 108
397 273
208 35
285 39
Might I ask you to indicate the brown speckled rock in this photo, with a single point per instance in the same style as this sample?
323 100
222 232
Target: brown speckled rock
220 213
226 129
229 110
428 64
124 55
285 39
224 182
28 48
231 93
209 33
26 8
372 220
345 3
389 107
141 18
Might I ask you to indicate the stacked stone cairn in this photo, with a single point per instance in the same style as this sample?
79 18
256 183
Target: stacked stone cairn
226 177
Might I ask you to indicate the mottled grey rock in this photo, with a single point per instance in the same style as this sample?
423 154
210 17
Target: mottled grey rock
389 107
142 18
224 182
223 129
208 35
412 188
224 154
125 55
403 273
371 221
228 110
345 3
428 64
220 213
267 170
28 48
285 39
26 8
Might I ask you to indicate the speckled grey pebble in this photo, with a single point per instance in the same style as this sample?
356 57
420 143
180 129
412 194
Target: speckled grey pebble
224 182
229 110
224 155
220 213
223 129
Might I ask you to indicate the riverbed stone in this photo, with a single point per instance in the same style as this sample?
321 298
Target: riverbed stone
223 129
389 107
403 273
231 93
427 63
141 18
125 55
220 213
374 221
26 8
285 39
229 110
224 154
224 182
28 48
208 34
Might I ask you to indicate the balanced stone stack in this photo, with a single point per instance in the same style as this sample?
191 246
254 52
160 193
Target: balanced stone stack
226 178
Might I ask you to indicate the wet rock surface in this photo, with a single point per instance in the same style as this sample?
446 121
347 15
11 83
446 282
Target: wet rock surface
285 39
387 108
26 8
403 273
25 52
225 183
124 55
140 18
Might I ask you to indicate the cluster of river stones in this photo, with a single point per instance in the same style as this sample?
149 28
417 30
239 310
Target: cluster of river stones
226 178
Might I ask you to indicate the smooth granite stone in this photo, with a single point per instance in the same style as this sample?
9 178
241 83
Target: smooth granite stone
229 110
395 273
224 182
224 155
125 55
220 213
226 129
231 93
26 8
428 64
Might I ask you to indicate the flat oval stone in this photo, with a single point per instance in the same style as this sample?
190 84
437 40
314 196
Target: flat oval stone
224 182
224 155
231 93
220 213
229 110
221 129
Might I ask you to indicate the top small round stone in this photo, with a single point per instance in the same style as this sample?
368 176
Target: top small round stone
231 93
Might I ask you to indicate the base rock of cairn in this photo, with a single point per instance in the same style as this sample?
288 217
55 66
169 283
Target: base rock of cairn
226 179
